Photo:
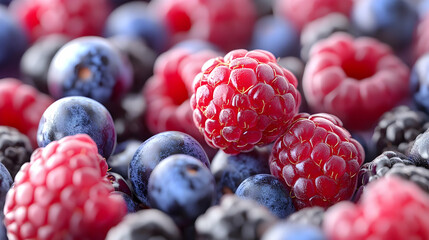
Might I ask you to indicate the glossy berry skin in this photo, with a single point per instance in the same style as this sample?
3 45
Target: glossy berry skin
73 115
289 231
419 80
183 187
35 62
390 21
275 35
268 191
15 149
73 18
227 24
90 67
355 79
317 160
6 182
120 160
64 194
300 12
393 204
155 149
22 106
419 151
134 19
243 99
230 170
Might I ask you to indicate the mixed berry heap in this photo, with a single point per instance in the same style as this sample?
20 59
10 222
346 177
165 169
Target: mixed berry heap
63 193
317 160
243 99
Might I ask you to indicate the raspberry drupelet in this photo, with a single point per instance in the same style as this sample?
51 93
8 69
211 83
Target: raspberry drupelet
243 99
318 160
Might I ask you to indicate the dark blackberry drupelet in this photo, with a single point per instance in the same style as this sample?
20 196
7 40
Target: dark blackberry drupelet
398 128
234 218
419 151
308 216
417 175
378 168
15 149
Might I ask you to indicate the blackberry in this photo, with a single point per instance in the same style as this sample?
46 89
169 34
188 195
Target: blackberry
398 128
234 218
419 151
308 216
145 224
417 175
15 149
378 168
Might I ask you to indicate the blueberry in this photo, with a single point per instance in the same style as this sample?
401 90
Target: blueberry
72 115
6 182
90 67
390 21
36 60
120 160
132 205
230 170
268 191
135 19
275 35
181 186
290 231
154 150
419 83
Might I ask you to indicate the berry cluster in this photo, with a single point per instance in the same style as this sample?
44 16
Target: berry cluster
214 119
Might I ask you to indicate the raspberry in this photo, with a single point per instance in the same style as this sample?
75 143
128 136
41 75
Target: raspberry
228 24
243 99
355 79
63 193
392 208
167 92
15 149
317 160
22 106
72 18
302 12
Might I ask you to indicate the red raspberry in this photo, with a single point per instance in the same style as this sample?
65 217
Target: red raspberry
391 208
73 18
243 99
228 24
63 193
302 12
22 106
317 160
355 79
167 93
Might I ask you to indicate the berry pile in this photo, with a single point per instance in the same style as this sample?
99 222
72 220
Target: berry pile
214 119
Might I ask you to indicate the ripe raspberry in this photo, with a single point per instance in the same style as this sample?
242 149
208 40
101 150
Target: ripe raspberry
22 106
243 99
302 12
355 79
72 18
228 24
317 160
392 208
167 93
63 193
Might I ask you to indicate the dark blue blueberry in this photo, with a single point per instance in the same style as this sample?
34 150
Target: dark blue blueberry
73 115
268 191
390 21
183 187
90 67
275 35
6 182
290 231
419 83
36 60
155 149
230 170
121 158
135 19
13 40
